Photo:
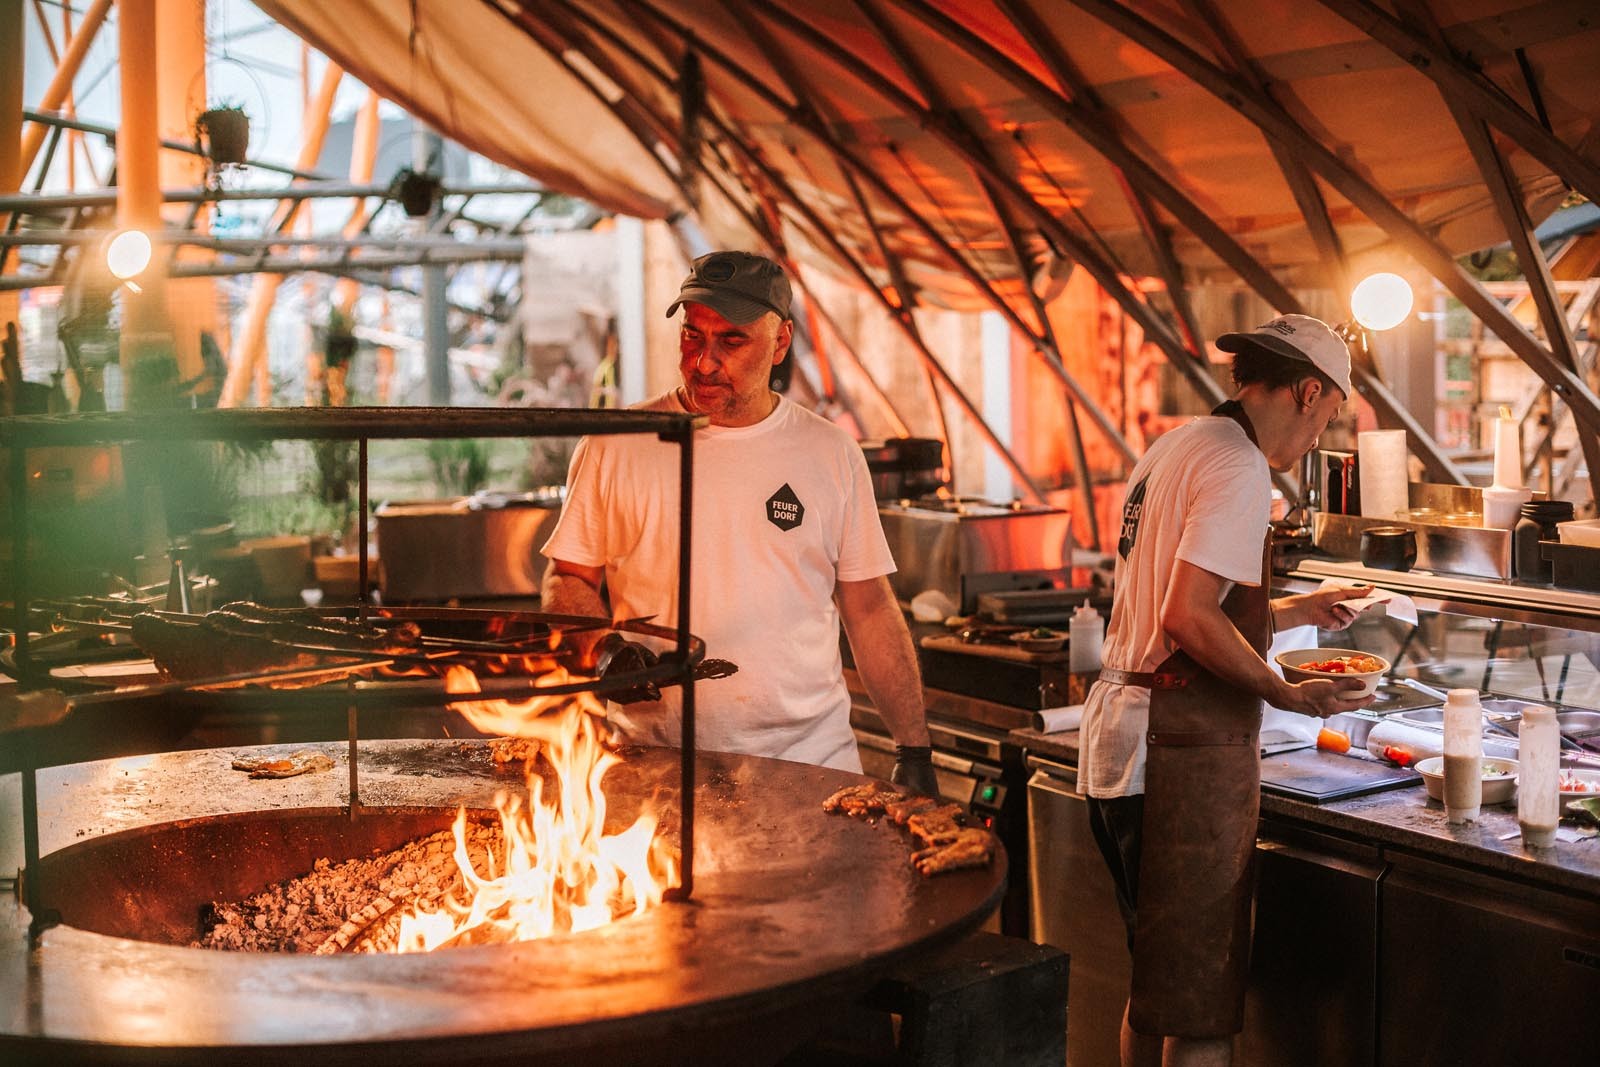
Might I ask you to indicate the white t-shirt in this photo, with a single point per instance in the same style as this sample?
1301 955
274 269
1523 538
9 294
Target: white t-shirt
783 510
1202 494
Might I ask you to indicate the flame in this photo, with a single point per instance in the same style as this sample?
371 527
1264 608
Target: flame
559 871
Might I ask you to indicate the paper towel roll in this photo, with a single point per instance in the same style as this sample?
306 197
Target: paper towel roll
1059 720
1384 478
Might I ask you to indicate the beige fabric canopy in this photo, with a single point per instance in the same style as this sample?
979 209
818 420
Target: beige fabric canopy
946 152
913 93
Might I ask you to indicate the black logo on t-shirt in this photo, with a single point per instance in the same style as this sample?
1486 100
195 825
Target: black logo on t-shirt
784 509
1132 511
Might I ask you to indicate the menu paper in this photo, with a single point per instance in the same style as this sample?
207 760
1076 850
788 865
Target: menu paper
1384 479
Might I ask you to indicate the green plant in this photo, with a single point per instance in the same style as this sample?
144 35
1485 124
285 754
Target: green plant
460 467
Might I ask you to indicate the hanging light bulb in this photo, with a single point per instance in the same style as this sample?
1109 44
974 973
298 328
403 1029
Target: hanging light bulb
1382 301
128 254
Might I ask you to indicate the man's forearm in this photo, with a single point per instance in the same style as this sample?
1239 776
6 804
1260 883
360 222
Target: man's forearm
1211 640
567 594
885 659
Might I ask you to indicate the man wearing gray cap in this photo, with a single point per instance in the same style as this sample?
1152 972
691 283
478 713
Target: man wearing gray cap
1168 742
787 543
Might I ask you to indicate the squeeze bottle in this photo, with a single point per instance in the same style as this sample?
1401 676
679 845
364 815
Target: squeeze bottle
1463 755
1085 634
1538 776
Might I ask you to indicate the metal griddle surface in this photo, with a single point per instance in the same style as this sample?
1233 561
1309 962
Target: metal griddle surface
791 906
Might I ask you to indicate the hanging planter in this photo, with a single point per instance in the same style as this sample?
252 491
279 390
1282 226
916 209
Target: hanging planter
224 134
416 192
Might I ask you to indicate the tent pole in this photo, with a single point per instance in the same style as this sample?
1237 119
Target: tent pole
821 230
1277 124
937 101
1314 210
539 32
1153 327
1083 122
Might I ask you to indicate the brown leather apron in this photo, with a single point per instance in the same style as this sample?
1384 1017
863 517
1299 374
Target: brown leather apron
1191 941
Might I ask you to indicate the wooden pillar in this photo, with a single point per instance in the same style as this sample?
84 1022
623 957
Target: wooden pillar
180 96
146 331
11 31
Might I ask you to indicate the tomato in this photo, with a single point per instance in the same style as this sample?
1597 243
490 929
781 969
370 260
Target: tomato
1333 740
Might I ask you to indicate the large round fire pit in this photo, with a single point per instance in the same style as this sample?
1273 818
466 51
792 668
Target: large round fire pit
793 911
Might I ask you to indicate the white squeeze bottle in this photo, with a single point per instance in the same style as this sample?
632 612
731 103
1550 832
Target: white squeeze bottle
1463 755
1085 634
1538 776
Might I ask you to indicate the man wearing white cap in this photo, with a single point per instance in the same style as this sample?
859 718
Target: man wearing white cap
787 543
1168 745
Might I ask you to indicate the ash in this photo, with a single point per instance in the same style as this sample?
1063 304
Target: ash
354 906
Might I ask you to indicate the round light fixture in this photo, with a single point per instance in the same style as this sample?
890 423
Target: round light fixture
1381 301
128 254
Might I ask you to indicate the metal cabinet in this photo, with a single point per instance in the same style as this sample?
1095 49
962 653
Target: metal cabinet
1484 971
1313 994
1074 907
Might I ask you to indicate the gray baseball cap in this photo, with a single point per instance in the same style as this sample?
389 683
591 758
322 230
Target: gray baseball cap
739 286
1301 338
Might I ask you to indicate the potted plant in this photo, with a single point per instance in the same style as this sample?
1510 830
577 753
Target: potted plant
415 191
225 129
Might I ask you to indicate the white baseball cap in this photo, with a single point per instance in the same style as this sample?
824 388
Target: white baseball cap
1298 337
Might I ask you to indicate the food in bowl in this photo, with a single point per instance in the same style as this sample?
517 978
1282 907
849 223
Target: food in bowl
1576 784
1039 639
1499 778
1344 665
1334 664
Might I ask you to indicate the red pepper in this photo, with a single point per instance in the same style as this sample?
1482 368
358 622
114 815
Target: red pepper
1399 756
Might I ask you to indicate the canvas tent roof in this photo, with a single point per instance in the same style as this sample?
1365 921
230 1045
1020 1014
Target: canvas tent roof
943 151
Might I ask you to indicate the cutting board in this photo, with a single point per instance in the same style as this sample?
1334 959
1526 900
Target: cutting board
1317 776
953 643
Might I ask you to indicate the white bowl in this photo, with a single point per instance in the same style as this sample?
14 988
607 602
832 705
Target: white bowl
1029 641
1293 672
1497 788
1591 777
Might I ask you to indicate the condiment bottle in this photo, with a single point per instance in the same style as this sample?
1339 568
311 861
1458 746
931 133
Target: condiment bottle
1085 634
1538 523
1538 776
1463 756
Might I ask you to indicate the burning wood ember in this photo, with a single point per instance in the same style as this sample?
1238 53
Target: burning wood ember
333 908
946 845
549 867
506 750
267 767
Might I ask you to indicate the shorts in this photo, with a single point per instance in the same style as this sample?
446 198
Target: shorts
1118 827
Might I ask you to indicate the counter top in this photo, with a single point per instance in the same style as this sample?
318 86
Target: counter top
1408 820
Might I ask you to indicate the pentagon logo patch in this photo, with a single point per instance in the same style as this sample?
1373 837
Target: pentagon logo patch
784 509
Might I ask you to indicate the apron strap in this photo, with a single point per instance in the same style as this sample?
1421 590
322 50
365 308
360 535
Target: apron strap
1162 679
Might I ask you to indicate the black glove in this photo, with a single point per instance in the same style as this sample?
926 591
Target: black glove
913 768
615 654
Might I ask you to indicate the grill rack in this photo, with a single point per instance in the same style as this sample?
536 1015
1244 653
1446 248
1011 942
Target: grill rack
28 750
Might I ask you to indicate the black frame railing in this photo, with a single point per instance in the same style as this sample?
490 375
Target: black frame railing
31 749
